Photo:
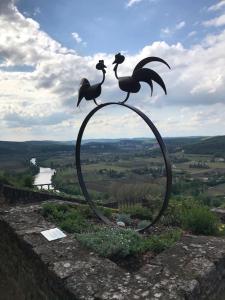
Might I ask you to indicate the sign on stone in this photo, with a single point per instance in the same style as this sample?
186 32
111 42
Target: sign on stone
53 234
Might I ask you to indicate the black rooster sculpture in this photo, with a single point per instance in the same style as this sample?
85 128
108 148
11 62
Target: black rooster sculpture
131 84
91 92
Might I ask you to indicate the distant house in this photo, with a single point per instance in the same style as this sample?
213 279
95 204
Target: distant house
219 159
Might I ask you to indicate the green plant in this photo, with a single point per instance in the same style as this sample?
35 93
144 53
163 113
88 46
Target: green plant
143 224
67 217
107 212
124 218
75 225
118 242
161 242
200 220
106 241
137 211
173 213
54 210
111 242
85 211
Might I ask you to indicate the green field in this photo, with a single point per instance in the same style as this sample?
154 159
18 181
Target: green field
114 169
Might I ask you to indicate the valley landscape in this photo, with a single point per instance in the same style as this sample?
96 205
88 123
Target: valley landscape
123 170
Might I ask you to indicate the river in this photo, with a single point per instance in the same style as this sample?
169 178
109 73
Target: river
44 176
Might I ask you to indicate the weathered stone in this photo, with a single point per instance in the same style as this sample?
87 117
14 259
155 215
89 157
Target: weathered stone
220 212
34 268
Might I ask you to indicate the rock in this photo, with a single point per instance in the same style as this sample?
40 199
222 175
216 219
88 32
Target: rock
220 213
121 224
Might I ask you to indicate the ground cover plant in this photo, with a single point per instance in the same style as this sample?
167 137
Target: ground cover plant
111 242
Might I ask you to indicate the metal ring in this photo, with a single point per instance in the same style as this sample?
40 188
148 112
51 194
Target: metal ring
163 150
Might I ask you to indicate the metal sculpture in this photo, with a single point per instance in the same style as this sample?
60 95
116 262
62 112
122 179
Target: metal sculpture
91 92
129 84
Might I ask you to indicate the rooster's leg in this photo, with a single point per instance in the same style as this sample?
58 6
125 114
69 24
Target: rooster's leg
125 100
95 102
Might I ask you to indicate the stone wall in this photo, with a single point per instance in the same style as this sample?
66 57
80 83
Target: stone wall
34 268
13 196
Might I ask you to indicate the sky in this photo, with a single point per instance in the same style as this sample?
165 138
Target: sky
46 47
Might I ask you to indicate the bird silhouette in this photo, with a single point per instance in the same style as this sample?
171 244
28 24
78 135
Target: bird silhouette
131 84
91 92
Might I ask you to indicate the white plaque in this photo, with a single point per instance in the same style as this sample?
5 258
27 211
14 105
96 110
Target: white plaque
53 234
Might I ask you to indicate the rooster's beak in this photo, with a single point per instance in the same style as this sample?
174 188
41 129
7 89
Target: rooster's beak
114 62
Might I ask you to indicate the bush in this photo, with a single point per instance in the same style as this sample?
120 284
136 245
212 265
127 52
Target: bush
137 211
118 242
161 242
173 213
106 241
85 211
68 218
143 223
191 215
3 178
111 242
107 212
200 220
124 218
54 211
75 225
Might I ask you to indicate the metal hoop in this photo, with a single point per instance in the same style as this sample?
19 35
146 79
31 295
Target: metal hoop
163 150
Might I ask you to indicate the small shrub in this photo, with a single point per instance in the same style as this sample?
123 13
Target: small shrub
124 218
28 181
200 220
85 211
53 212
163 241
143 224
106 241
47 209
111 242
137 211
67 217
106 211
118 242
77 225
173 213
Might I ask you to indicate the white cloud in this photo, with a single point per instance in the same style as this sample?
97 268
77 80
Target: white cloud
170 31
216 22
77 38
37 11
165 31
132 2
192 33
217 6
46 95
180 25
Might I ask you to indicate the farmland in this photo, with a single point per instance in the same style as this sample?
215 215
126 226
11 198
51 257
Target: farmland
115 170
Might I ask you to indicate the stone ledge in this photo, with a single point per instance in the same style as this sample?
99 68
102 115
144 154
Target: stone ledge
220 212
37 269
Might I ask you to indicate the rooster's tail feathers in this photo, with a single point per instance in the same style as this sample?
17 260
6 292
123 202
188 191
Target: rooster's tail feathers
147 60
147 75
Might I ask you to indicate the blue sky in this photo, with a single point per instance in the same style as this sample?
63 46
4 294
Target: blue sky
46 47
112 26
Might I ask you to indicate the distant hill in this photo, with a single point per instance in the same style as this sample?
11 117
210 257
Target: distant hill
175 143
33 147
212 145
195 145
